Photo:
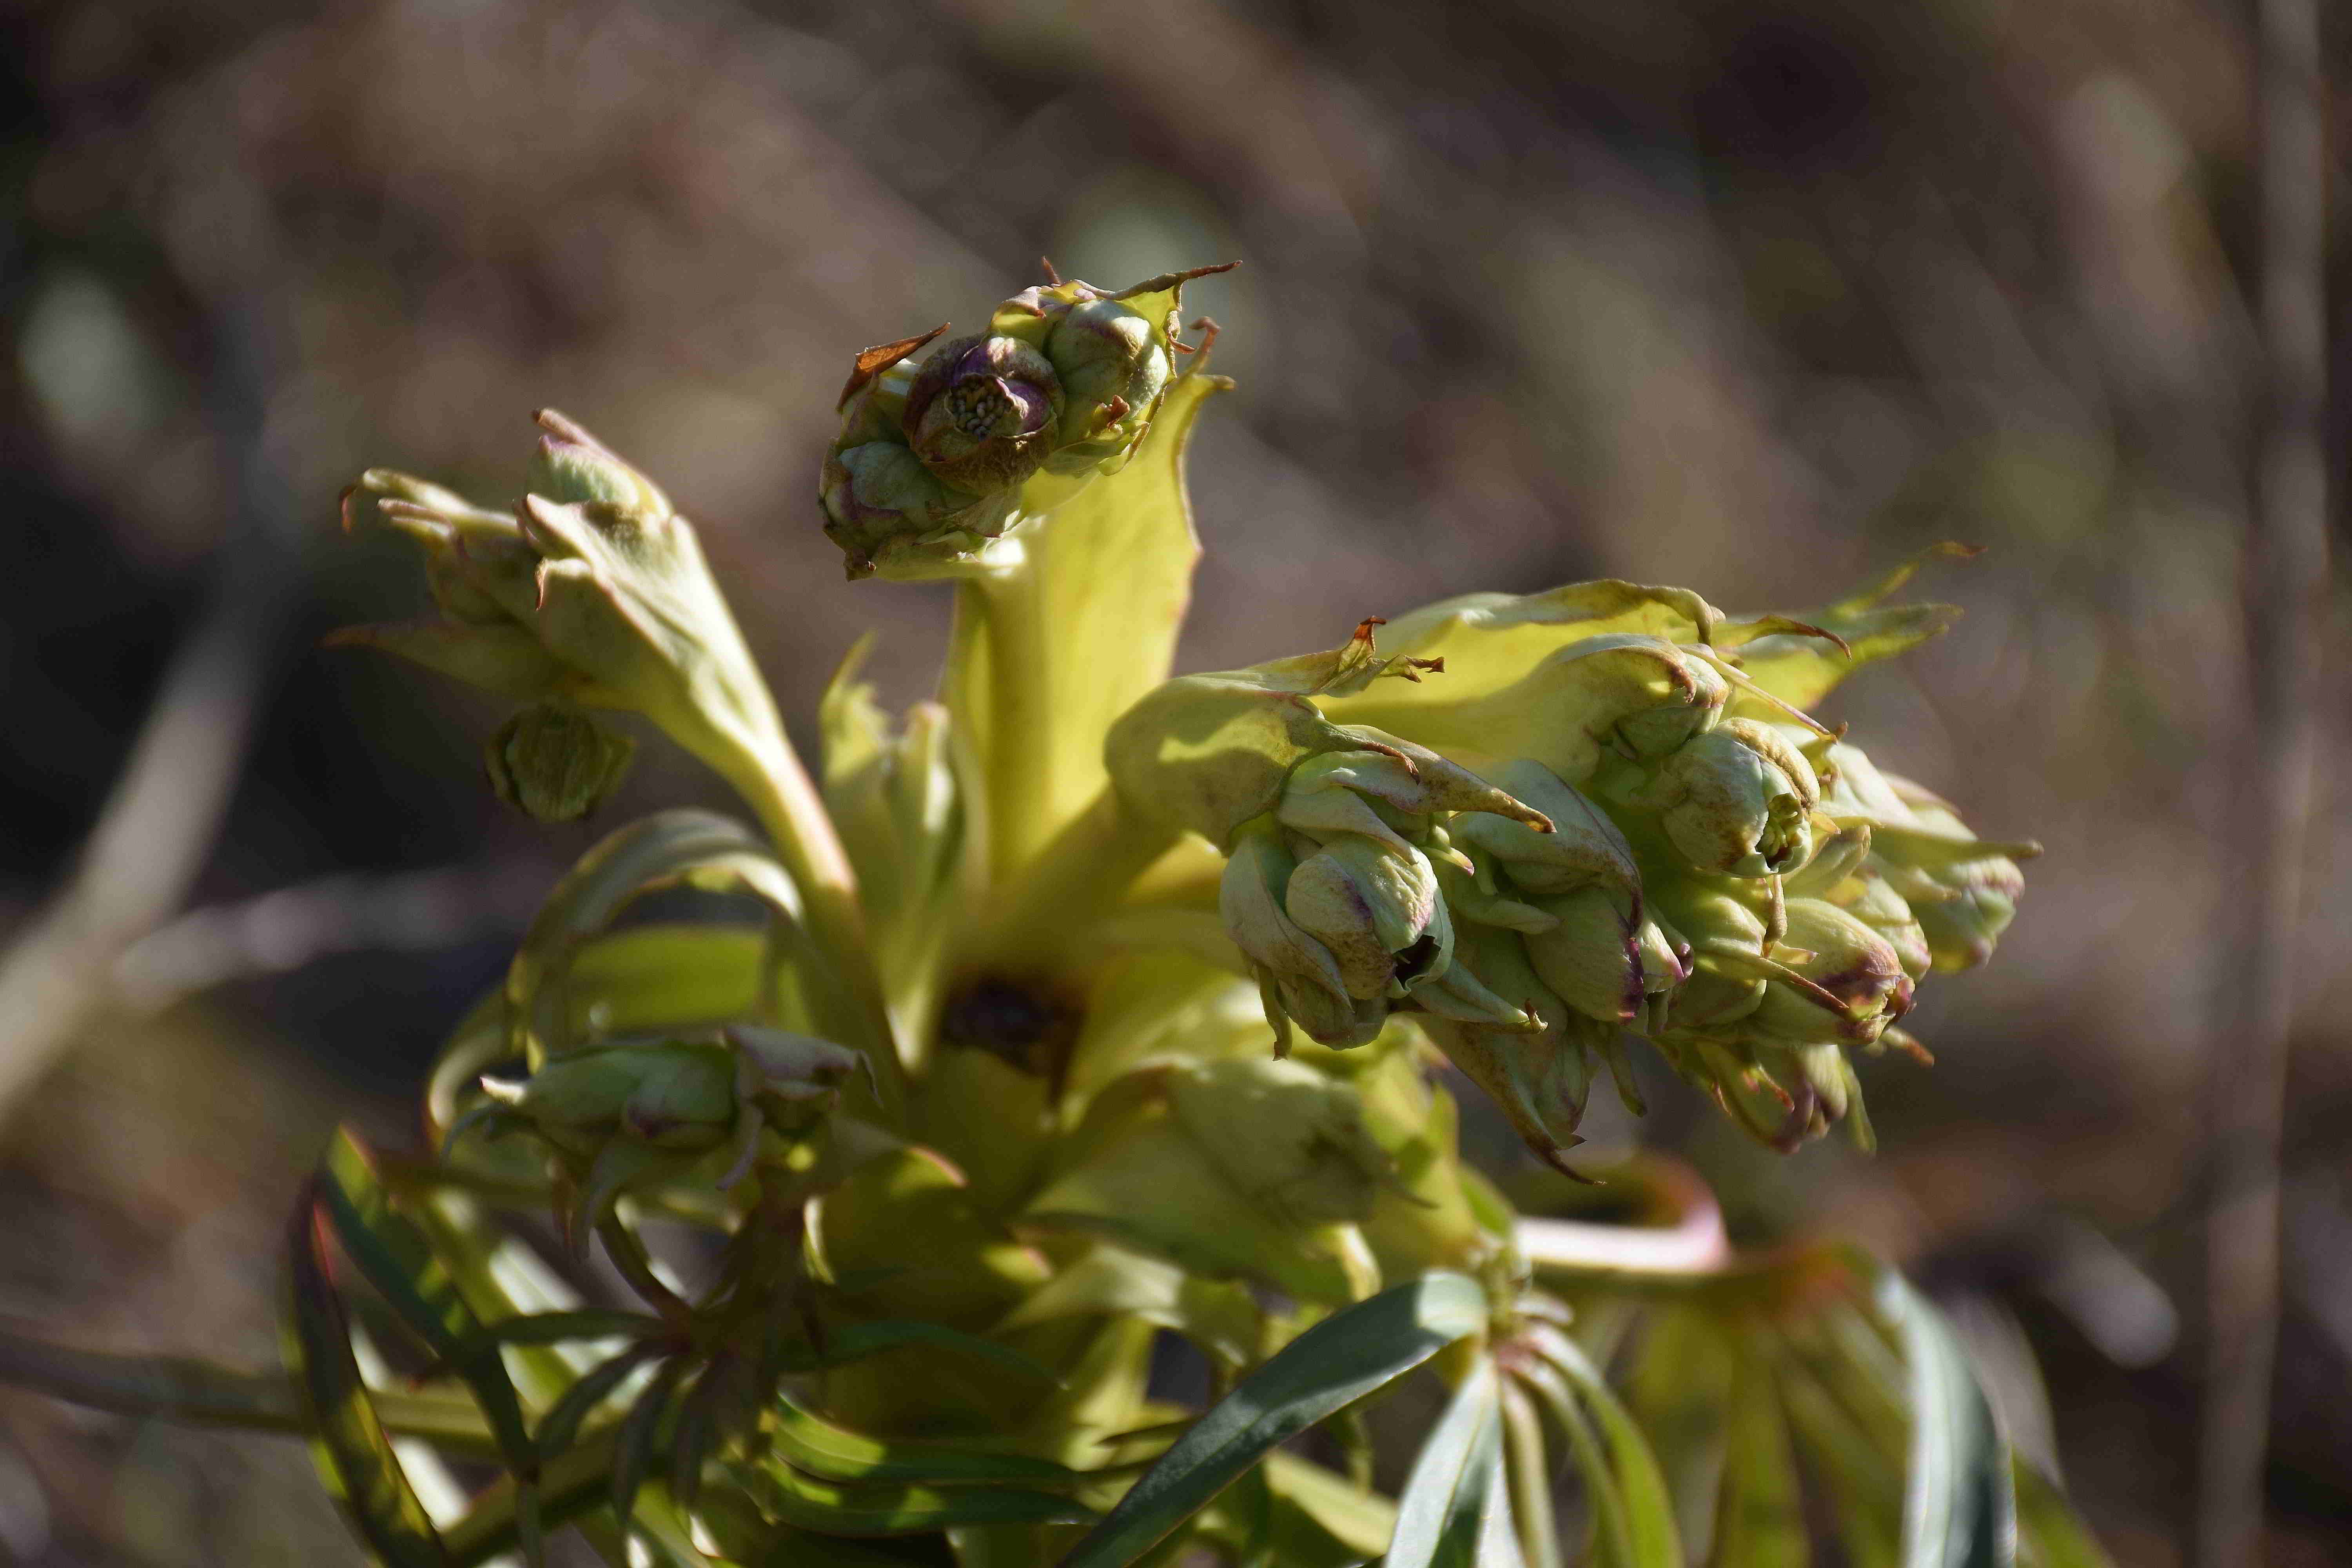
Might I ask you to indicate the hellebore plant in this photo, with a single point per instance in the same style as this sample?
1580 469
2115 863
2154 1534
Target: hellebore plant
1085 1011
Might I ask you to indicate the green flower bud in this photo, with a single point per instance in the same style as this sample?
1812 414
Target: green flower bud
1374 906
1583 849
1114 363
1961 890
1292 1141
1539 1076
1601 957
1856 984
571 466
983 413
879 494
556 764
1721 942
1737 800
1868 897
1297 974
1982 880
631 1112
672 1095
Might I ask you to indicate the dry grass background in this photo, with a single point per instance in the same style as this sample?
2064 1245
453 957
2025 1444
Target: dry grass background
1756 296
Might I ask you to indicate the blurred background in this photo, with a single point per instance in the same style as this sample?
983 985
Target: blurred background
1754 297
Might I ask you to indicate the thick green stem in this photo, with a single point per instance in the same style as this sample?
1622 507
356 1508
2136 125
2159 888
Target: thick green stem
1020 718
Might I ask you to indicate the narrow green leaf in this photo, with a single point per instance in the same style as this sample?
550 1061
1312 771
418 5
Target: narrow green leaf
1329 1367
1612 1529
830 1507
1649 1509
1441 1511
1958 1509
1759 1516
1337 1514
697 1431
355 1457
1863 1479
398 1258
1677 1389
2047 1527
808 1442
1498 1536
1529 1476
744 1535
639 1436
562 1423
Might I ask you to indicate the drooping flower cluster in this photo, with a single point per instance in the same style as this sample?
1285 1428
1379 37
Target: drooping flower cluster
934 454
1536 823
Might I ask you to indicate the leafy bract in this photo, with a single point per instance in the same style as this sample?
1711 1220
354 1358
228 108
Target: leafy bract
1114 573
696 849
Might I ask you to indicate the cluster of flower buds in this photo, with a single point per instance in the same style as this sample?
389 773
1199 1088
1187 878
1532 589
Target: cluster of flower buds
1607 817
592 591
637 1110
935 456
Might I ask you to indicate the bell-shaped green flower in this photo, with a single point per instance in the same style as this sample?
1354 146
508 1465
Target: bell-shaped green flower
1961 890
1853 983
1297 974
1373 904
1737 800
1869 898
556 763
1603 957
1539 1076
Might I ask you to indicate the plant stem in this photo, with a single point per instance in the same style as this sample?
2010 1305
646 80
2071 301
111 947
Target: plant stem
769 778
1021 740
199 1393
1693 1244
